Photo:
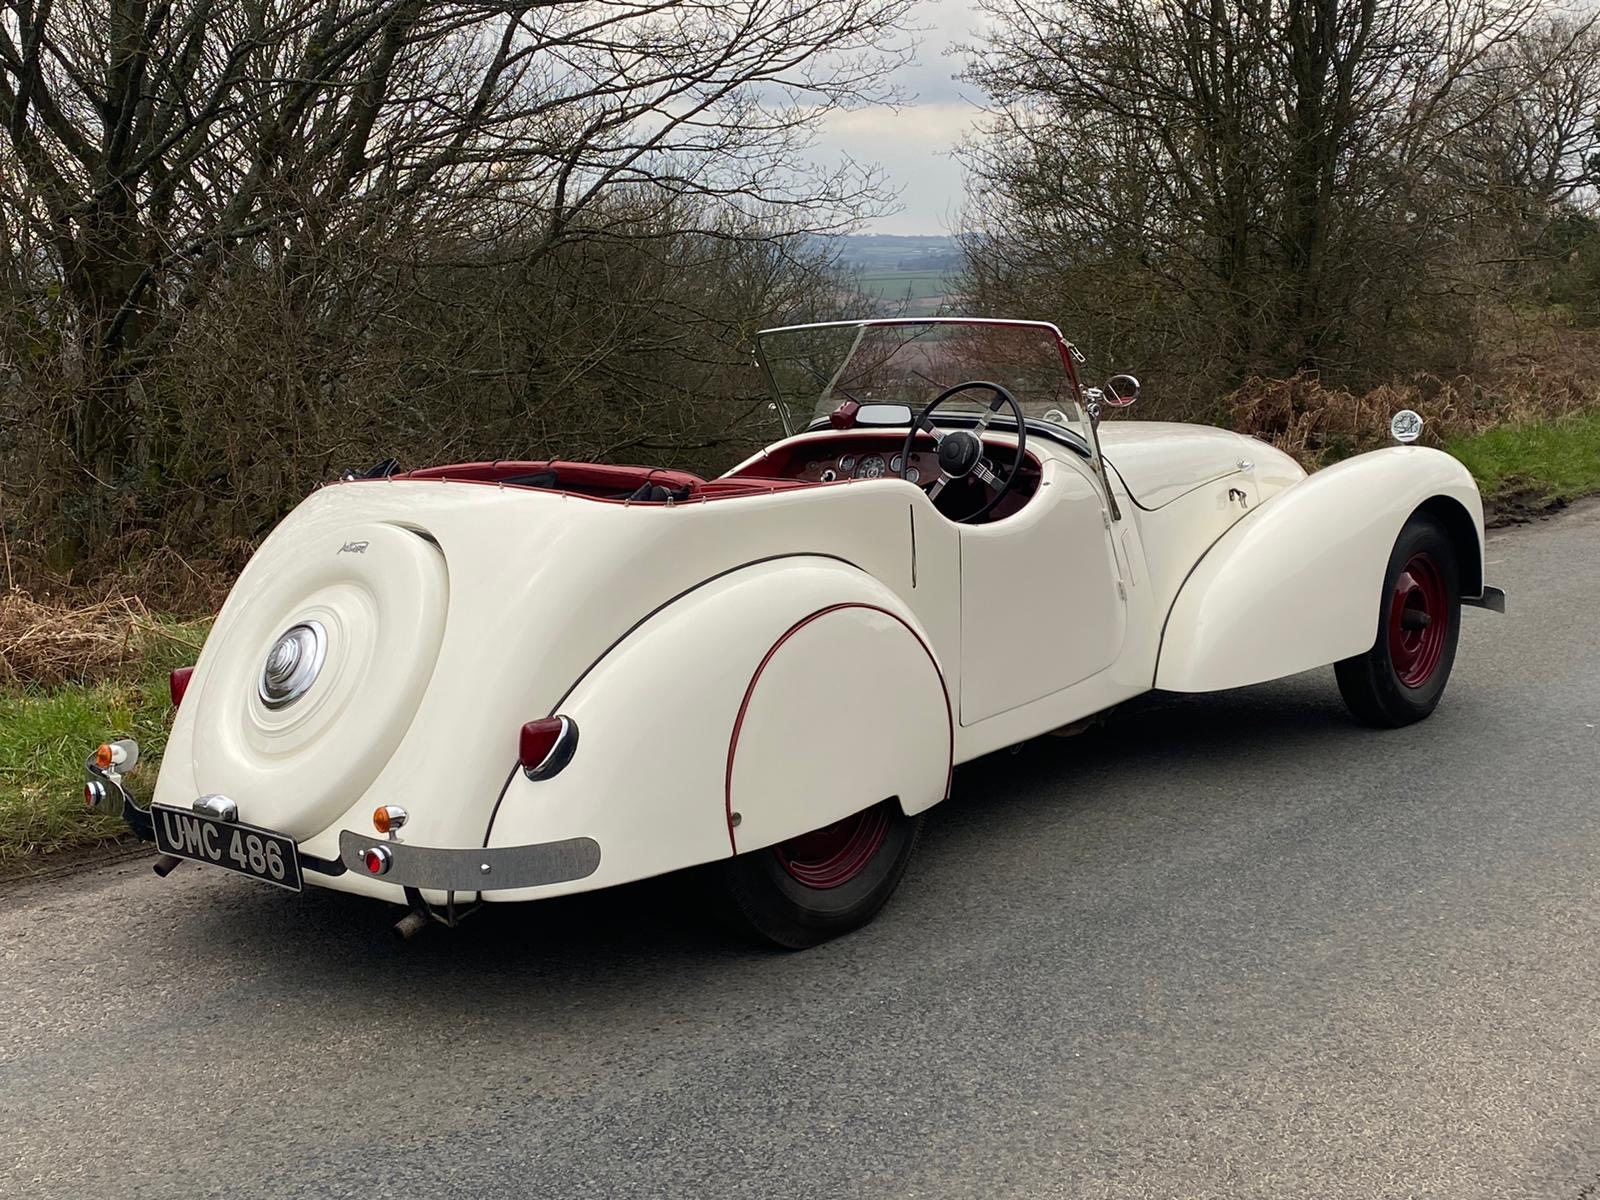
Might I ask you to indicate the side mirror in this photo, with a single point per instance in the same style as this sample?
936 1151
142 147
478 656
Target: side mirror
1120 391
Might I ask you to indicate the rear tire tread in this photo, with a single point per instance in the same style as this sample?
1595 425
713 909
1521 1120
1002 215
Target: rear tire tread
766 904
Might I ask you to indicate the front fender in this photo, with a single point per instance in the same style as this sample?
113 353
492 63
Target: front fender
765 704
1296 584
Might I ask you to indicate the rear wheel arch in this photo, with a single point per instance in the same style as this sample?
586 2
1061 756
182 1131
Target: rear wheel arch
650 780
907 748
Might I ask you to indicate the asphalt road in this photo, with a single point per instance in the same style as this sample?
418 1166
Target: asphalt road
1231 946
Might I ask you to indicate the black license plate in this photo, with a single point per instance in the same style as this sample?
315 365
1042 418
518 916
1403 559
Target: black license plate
258 853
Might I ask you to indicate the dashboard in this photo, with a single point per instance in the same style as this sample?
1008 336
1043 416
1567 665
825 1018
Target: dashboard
869 463
873 455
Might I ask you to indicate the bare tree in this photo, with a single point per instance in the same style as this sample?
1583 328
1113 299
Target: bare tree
1269 185
159 150
1535 159
632 344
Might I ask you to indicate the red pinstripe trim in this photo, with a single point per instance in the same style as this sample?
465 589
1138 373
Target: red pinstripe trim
744 705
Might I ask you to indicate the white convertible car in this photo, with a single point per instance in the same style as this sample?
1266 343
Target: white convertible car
506 681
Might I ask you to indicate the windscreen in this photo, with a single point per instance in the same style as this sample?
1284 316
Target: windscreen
813 368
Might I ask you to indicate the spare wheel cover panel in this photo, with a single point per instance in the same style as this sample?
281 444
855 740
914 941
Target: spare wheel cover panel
296 768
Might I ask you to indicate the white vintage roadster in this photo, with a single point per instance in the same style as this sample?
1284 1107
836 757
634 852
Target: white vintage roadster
506 681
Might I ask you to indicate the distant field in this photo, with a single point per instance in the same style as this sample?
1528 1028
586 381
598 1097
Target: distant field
904 285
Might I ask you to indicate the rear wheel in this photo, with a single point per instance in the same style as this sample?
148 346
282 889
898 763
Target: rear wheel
1401 678
821 884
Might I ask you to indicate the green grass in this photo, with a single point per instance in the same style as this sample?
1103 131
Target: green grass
1543 462
45 734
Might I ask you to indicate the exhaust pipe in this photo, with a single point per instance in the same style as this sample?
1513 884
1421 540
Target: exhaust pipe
165 864
408 926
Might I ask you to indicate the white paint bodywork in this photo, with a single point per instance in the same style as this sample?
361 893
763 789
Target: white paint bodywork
1301 584
790 657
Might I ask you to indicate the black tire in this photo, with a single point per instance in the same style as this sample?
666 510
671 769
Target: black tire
1401 678
764 896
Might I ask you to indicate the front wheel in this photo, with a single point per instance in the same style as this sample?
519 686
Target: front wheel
1401 678
819 885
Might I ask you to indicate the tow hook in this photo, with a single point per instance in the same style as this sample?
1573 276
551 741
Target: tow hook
423 914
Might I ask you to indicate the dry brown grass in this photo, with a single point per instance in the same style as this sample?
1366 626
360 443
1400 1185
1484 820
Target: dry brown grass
164 580
48 643
1318 424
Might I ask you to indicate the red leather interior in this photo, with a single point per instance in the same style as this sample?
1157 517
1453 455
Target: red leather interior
570 476
796 465
604 481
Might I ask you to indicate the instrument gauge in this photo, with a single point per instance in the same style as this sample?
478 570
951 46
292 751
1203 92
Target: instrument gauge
871 467
847 463
913 476
896 463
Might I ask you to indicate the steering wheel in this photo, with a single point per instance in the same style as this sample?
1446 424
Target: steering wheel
961 451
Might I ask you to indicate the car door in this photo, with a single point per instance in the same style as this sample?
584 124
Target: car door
1042 602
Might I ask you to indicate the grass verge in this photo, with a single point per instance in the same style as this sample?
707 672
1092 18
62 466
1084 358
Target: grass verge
1531 467
46 733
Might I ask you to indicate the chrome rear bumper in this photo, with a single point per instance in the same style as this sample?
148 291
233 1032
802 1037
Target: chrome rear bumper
454 870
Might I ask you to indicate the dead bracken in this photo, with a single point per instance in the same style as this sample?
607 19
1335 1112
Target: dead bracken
45 644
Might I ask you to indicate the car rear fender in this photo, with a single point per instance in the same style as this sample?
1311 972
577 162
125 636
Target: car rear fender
768 703
1296 583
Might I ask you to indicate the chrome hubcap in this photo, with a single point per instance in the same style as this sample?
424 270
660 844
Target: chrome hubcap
293 664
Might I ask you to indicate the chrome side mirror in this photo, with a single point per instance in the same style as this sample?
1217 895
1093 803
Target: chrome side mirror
1120 391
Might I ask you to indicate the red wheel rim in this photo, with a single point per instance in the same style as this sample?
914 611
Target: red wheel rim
1419 621
837 853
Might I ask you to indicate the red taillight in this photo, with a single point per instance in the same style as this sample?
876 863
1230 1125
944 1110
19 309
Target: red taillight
377 859
178 684
546 746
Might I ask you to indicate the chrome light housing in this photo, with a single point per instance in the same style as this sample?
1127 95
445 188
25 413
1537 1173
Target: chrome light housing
292 664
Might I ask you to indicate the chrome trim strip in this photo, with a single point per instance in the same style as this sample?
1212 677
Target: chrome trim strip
466 870
886 322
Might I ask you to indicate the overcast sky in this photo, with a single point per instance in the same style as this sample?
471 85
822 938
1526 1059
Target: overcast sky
913 145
